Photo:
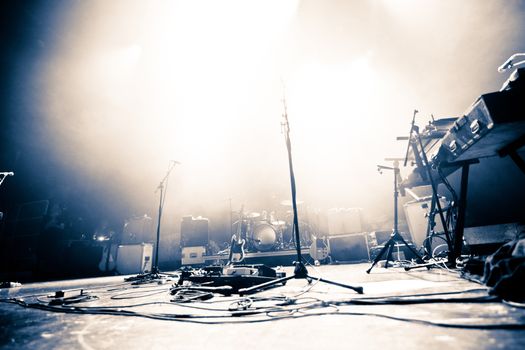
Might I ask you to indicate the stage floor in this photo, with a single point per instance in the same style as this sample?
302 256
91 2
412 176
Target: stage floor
294 316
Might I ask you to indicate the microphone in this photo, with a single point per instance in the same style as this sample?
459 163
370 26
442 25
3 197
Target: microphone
506 65
8 173
174 161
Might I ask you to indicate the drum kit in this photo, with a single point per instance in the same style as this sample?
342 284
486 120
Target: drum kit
267 231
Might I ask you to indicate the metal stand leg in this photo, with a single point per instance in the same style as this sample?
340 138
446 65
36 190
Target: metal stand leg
460 224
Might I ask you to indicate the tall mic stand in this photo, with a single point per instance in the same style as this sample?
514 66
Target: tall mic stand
300 271
395 236
155 271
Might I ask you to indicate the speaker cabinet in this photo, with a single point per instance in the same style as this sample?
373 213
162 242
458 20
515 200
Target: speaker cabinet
349 248
416 213
194 232
134 258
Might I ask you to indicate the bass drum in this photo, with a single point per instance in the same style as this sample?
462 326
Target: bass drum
263 238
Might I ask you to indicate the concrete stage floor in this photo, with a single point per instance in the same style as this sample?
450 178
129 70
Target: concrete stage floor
294 316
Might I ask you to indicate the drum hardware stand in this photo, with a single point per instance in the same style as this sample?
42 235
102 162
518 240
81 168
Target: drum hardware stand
155 271
395 236
300 271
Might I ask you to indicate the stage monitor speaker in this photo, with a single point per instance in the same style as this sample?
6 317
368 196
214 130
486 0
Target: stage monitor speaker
416 213
134 258
349 248
484 240
342 221
194 231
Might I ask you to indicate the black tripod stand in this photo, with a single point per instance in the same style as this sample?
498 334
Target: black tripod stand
395 236
300 270
155 271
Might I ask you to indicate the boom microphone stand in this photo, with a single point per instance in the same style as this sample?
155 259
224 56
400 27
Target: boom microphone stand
155 271
395 236
300 270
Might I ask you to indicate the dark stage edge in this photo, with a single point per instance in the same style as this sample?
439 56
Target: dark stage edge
23 328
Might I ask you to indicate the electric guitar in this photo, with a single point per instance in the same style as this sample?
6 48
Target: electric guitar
237 242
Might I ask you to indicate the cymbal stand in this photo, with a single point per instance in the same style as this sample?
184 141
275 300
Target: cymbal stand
155 271
300 271
395 236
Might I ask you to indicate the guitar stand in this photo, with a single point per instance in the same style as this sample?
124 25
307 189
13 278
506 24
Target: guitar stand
395 236
300 271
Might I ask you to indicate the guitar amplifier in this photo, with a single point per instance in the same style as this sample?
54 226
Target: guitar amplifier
194 231
416 213
134 258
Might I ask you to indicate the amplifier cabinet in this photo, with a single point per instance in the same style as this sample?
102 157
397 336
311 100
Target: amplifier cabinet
134 258
417 212
349 247
194 232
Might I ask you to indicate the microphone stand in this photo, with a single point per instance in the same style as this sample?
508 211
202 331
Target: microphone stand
395 236
300 271
4 175
155 271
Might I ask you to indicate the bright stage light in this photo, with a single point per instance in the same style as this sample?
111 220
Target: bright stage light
181 80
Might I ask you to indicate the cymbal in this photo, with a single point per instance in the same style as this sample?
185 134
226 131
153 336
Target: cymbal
278 223
288 203
253 215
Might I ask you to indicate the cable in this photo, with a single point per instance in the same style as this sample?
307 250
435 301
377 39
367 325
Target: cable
135 295
272 315
514 304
